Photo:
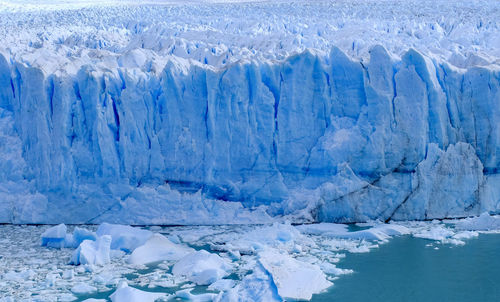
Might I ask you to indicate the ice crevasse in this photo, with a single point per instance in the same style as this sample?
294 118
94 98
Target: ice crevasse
310 137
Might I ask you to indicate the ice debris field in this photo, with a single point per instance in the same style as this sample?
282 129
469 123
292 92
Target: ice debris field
201 112
272 262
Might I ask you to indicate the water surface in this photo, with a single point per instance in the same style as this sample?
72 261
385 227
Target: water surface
412 269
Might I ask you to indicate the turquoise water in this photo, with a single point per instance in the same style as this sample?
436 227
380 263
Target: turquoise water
405 269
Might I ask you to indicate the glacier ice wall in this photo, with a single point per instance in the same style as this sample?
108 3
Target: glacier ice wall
330 139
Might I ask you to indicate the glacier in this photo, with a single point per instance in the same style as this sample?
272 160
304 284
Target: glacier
92 133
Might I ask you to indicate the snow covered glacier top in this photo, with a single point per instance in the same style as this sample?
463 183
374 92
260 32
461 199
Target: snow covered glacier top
64 35
235 112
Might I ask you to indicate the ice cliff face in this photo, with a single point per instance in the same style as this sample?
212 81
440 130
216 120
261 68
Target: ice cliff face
337 139
126 129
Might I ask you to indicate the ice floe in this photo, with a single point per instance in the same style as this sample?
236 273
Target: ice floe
202 267
124 237
83 288
294 279
54 236
93 252
125 293
484 222
158 248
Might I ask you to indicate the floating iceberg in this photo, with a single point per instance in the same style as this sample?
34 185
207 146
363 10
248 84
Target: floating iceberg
158 248
124 237
202 267
93 252
54 236
253 287
83 288
380 232
78 236
294 279
125 293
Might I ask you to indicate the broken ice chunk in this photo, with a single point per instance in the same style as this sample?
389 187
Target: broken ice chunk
158 248
186 294
294 279
54 236
485 222
93 252
124 237
257 286
125 293
380 232
78 236
222 285
83 289
202 267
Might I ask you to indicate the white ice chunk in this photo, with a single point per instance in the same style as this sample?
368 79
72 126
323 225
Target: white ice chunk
465 235
332 269
78 236
484 222
93 252
186 294
124 237
379 232
322 228
294 279
202 267
436 232
257 286
68 274
83 288
222 285
277 234
125 293
54 236
158 248
392 229
19 276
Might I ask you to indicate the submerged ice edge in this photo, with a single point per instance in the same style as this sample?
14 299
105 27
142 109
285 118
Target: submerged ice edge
231 263
337 140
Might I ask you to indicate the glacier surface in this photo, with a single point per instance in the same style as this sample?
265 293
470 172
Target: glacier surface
147 117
